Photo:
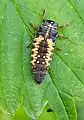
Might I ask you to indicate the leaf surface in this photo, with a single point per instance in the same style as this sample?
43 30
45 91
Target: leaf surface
64 81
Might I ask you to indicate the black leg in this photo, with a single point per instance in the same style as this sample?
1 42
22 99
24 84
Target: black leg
62 37
57 49
63 26
32 25
43 14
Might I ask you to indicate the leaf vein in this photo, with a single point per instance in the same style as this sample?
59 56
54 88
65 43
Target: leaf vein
58 94
22 70
76 10
17 9
69 67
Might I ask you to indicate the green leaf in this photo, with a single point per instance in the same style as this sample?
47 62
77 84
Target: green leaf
64 82
69 104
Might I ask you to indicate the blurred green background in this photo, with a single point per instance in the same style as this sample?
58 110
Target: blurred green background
21 115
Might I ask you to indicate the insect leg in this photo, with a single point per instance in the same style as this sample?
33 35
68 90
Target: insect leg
34 26
62 37
43 14
57 49
64 26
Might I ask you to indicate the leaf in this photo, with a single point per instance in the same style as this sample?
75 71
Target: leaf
62 103
64 83
69 104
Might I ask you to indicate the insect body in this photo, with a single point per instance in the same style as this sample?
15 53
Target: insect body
43 46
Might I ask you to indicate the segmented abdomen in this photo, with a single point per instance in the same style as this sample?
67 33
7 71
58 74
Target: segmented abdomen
41 54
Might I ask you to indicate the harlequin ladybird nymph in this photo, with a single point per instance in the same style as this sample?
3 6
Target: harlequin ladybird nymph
43 48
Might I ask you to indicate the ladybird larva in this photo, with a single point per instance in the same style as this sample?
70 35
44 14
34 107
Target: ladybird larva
43 48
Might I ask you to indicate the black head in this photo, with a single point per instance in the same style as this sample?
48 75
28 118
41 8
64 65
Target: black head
39 75
53 23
